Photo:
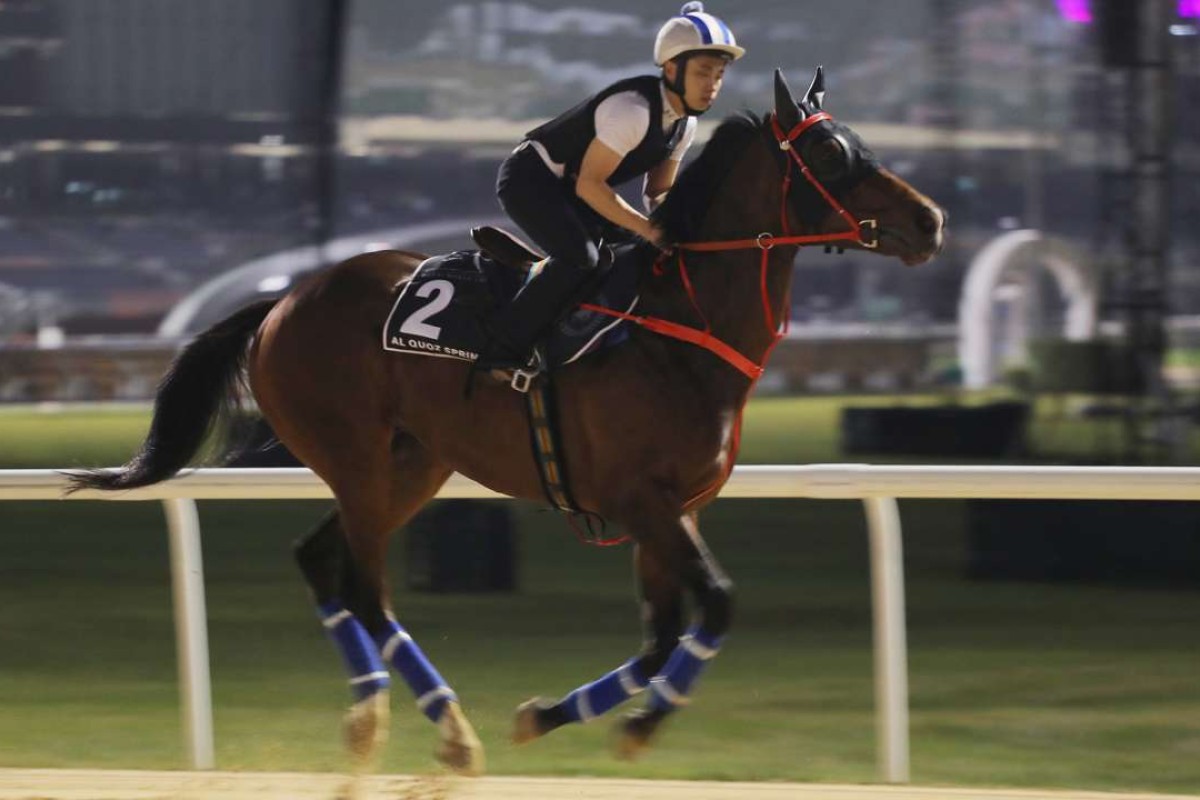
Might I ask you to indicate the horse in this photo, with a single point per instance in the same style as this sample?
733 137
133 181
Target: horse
650 426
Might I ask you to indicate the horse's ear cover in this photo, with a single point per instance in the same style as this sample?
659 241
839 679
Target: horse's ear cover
815 96
786 110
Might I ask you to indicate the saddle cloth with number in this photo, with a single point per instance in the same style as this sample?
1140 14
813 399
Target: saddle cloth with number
442 310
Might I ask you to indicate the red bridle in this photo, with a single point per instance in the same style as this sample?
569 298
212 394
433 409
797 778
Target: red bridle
765 242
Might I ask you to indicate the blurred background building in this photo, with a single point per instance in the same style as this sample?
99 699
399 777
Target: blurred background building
149 146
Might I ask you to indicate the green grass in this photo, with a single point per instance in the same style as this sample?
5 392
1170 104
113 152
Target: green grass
75 437
1013 684
1183 357
778 430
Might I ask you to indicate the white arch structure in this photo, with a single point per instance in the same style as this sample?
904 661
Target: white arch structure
220 295
1008 252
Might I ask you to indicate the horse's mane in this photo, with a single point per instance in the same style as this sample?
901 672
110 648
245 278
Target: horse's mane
682 212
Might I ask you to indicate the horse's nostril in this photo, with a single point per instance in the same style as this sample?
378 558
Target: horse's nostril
929 220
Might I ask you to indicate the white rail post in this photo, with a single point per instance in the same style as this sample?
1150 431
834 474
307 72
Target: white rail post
891 647
191 629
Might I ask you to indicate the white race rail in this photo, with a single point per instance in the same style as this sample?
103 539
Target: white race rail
877 486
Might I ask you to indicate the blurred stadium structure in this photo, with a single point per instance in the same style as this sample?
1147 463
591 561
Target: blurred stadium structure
148 147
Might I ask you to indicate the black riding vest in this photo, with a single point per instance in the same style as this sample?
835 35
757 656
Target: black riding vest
567 136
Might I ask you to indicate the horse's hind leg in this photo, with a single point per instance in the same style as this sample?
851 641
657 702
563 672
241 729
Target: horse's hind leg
324 559
376 496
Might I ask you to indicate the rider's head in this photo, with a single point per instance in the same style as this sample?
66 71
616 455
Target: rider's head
693 50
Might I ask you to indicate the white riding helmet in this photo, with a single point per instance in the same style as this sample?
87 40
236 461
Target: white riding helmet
693 30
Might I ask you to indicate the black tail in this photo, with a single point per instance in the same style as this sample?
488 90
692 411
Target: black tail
200 389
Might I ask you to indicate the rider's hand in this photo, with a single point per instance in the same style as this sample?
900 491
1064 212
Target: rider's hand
655 236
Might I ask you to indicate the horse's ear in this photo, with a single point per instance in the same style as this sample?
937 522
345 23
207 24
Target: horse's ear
815 96
786 110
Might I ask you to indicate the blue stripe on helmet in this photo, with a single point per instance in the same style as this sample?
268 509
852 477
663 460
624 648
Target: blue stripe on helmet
702 26
726 34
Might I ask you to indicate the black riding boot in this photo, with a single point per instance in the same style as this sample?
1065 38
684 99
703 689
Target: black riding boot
536 307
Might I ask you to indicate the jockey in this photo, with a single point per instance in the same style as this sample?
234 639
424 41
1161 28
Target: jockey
557 185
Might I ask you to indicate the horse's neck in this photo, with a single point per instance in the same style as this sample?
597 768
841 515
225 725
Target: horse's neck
729 290
727 284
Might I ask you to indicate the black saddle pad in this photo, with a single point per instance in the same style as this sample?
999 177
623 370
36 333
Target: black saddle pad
443 308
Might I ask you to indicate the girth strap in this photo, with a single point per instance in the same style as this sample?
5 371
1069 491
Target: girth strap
543 432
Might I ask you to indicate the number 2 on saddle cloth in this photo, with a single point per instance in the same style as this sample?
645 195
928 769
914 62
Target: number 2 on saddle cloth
442 309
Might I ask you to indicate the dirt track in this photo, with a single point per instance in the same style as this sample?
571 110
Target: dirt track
24 784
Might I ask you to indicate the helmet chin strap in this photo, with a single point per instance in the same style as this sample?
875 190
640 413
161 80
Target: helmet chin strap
677 86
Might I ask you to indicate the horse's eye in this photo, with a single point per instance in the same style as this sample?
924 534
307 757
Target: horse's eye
829 158
829 151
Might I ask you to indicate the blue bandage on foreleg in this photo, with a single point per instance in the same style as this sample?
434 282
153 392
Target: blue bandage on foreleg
368 673
670 687
602 695
429 687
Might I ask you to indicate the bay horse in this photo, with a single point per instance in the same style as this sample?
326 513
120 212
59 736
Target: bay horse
650 428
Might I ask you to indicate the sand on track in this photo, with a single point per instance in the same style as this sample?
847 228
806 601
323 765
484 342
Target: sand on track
50 784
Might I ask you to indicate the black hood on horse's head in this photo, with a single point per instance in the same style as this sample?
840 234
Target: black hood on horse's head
835 154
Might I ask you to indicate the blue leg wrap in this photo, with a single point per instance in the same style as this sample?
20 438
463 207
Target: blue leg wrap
368 673
430 688
602 695
670 688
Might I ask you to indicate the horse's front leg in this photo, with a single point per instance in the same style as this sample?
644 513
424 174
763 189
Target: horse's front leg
663 615
674 556
670 558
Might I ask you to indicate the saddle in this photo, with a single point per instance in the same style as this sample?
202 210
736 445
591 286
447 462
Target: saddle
443 309
505 247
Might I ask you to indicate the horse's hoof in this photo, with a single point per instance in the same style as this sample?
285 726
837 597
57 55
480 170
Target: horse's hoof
635 733
352 789
365 728
460 748
527 724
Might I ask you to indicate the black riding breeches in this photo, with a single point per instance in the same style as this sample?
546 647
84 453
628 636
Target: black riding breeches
547 209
